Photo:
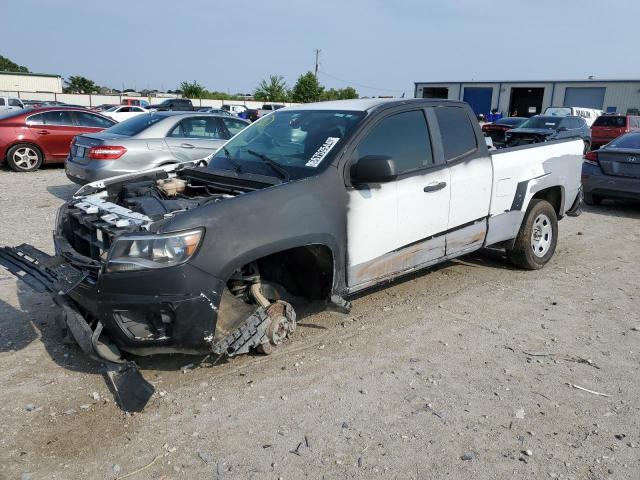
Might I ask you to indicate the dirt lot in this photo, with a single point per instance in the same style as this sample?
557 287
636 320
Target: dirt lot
461 372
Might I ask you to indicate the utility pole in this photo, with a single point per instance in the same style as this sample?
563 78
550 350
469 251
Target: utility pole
317 50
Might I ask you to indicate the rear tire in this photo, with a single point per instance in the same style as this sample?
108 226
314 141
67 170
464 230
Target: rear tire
538 236
24 157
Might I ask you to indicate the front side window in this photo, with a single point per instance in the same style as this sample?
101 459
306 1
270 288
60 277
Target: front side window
456 131
404 137
14 102
89 120
299 141
205 128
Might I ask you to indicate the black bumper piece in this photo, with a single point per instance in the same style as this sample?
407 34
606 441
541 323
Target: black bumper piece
53 275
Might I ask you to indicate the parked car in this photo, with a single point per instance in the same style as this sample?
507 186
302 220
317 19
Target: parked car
543 128
32 103
497 129
135 102
179 104
316 202
8 104
238 110
123 112
217 111
147 141
102 107
589 114
613 171
610 126
255 114
31 137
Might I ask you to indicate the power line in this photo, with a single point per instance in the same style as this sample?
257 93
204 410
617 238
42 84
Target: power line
358 84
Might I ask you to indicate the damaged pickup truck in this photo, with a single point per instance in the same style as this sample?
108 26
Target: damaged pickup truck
311 203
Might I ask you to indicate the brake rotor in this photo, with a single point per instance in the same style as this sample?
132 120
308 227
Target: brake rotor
282 325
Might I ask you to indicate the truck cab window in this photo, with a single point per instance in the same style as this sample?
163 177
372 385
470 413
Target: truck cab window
404 137
456 131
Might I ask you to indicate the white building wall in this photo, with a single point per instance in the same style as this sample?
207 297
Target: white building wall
621 95
30 83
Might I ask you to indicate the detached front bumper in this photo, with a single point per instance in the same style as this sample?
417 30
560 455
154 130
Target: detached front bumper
155 311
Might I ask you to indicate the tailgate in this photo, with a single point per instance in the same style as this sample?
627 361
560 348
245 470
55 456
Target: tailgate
620 164
41 271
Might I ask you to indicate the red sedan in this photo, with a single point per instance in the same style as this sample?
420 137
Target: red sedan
31 137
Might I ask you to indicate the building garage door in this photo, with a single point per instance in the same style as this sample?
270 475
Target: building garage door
479 98
588 97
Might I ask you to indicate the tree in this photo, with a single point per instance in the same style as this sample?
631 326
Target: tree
79 84
192 90
272 90
7 65
340 94
307 89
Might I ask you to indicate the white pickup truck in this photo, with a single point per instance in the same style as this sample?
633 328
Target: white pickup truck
314 202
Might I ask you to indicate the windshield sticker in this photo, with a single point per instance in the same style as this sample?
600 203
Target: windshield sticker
322 152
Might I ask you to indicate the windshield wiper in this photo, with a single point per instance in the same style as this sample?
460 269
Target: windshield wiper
282 173
236 166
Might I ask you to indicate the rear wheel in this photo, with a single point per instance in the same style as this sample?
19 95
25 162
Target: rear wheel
537 238
24 157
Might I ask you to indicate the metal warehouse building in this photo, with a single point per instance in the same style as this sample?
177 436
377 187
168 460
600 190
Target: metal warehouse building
528 98
30 82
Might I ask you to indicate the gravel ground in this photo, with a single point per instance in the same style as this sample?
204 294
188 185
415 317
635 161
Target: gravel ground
465 371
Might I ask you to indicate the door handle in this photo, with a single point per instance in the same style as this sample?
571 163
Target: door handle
187 145
43 132
434 187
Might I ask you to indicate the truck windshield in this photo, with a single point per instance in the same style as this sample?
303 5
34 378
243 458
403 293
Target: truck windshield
299 141
547 123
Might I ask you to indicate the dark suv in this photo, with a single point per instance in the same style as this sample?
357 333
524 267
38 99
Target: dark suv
542 128
180 104
611 126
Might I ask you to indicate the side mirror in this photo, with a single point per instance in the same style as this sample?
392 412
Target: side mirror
373 169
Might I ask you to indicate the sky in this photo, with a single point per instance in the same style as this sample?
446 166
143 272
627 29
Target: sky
378 47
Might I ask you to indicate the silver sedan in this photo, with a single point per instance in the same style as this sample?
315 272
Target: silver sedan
147 141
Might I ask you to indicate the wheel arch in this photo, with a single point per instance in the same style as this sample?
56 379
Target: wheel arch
306 269
555 196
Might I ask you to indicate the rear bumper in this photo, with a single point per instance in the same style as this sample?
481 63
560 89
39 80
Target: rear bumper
597 183
91 171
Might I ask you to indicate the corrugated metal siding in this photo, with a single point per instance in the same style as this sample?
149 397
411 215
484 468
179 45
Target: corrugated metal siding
621 94
30 83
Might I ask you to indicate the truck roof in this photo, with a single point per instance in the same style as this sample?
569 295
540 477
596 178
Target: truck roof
363 104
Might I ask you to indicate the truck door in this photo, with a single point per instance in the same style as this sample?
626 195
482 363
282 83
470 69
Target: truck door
471 175
396 226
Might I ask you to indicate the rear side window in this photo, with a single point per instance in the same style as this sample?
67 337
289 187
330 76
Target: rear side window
92 121
1 101
456 131
610 121
61 117
206 128
403 137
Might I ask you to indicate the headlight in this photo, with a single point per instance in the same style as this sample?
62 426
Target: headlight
153 251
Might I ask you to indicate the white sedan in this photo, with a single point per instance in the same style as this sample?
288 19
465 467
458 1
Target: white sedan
123 112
